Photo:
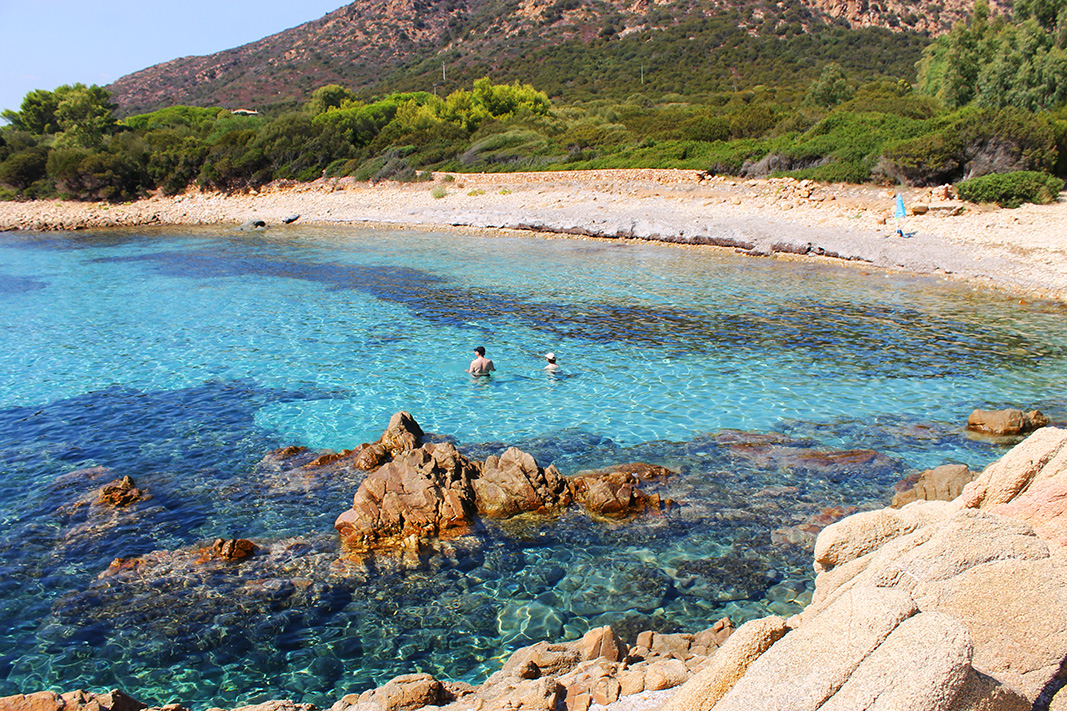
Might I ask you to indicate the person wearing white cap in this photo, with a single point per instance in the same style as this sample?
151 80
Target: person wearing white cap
551 358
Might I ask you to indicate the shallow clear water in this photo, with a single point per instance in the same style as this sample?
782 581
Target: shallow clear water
181 358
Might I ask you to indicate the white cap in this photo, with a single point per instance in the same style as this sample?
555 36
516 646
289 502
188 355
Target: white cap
550 356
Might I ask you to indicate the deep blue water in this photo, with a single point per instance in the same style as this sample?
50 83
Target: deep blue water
181 358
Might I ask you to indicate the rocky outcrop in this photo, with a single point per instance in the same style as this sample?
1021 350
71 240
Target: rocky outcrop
943 483
599 668
71 701
426 492
950 605
1006 423
431 490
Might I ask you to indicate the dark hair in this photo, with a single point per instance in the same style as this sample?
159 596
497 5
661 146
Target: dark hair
479 350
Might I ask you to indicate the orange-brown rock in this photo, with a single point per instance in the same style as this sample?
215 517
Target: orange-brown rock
422 492
228 549
1007 422
78 700
513 483
122 492
943 483
330 458
614 494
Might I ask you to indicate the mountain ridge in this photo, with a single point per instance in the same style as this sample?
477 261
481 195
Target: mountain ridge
384 45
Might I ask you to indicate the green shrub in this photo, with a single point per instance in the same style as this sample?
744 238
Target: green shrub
1011 189
438 192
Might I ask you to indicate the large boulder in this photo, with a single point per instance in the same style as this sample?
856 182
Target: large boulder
513 483
729 664
943 483
1037 461
422 492
1007 422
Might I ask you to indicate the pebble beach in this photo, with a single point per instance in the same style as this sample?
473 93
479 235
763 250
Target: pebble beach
1022 251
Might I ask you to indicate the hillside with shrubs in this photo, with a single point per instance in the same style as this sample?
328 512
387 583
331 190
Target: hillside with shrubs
977 105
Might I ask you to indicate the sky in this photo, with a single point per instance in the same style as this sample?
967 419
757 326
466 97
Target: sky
47 44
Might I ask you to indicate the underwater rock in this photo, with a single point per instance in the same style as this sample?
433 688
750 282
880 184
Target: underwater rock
229 549
943 483
122 492
615 492
1006 422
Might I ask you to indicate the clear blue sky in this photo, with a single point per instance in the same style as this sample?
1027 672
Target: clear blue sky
47 44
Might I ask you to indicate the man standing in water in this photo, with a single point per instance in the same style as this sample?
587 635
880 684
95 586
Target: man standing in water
481 365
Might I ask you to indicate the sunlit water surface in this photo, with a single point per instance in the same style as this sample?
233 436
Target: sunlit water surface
182 357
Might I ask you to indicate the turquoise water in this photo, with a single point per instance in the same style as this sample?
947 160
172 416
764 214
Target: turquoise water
182 357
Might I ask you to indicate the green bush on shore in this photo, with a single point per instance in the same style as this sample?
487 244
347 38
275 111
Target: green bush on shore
840 131
1011 189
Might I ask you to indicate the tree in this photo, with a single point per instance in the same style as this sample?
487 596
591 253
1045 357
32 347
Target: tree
831 88
84 115
331 96
37 114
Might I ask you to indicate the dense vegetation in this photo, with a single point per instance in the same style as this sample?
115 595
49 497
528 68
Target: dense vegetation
839 127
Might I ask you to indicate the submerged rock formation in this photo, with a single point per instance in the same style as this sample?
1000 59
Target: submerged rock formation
430 490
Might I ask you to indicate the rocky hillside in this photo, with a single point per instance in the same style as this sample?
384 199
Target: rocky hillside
572 48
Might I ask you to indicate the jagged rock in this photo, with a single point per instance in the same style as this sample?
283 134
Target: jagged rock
290 219
1006 422
729 664
122 492
229 549
943 483
78 700
1035 462
422 492
402 435
602 643
614 494
405 692
513 483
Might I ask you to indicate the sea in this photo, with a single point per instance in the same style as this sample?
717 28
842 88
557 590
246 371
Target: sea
782 395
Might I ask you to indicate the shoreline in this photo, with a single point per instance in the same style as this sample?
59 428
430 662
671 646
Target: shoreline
1021 251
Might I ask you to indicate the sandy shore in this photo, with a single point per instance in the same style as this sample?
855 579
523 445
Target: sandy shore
1022 250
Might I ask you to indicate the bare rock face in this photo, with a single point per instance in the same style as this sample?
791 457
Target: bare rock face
942 483
1006 422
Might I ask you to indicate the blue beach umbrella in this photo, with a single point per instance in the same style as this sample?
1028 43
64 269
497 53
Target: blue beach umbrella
900 213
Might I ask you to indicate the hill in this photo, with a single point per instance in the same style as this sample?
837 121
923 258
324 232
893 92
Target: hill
573 49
